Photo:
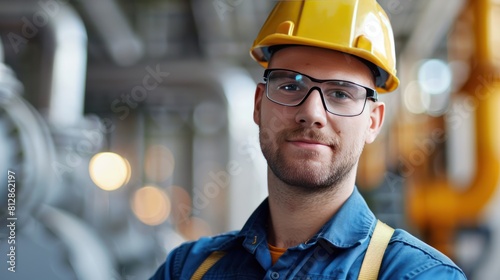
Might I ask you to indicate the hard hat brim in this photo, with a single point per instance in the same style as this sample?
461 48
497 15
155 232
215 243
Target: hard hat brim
258 52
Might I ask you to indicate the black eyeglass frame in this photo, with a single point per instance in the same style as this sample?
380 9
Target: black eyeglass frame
370 93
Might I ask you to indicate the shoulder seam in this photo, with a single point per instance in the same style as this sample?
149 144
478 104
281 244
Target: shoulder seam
396 239
435 260
426 267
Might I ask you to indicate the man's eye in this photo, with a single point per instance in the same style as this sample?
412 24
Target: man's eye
340 94
290 87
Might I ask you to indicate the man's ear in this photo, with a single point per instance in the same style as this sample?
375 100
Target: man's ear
259 93
377 114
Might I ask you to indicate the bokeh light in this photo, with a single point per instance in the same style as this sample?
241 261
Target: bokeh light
194 228
159 163
181 204
415 100
434 76
109 171
151 205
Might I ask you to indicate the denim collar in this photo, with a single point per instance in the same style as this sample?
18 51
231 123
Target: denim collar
350 226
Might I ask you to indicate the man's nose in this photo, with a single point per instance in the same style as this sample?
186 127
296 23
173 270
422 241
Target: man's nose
312 111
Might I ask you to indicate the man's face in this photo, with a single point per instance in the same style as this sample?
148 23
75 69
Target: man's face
306 146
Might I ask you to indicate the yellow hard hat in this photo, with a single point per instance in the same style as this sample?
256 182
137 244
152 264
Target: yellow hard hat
357 27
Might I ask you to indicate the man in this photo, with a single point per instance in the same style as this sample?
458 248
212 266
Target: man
316 110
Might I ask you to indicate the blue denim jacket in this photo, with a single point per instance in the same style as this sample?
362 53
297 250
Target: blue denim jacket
335 252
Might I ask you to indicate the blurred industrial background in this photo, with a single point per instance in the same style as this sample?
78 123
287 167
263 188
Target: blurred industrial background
126 127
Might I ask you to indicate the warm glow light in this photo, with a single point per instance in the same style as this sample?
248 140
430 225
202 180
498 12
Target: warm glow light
181 204
109 171
151 205
194 228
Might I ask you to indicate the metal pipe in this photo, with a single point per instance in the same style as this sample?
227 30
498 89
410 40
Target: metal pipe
69 68
122 44
437 205
60 27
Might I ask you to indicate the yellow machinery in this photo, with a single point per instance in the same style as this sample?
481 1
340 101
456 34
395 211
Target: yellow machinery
435 205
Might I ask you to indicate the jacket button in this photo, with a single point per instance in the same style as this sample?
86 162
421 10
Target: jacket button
275 275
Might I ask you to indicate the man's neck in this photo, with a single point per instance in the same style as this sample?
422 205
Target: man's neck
295 216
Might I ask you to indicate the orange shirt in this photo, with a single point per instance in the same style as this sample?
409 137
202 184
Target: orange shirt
275 252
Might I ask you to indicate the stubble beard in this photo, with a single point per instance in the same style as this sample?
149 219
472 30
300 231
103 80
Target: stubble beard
305 176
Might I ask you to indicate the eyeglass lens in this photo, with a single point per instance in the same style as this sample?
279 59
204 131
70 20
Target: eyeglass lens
291 88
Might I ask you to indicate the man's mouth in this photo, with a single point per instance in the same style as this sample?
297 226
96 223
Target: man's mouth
309 139
308 143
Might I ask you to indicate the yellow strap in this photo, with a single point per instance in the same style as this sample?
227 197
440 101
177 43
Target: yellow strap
375 252
207 264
